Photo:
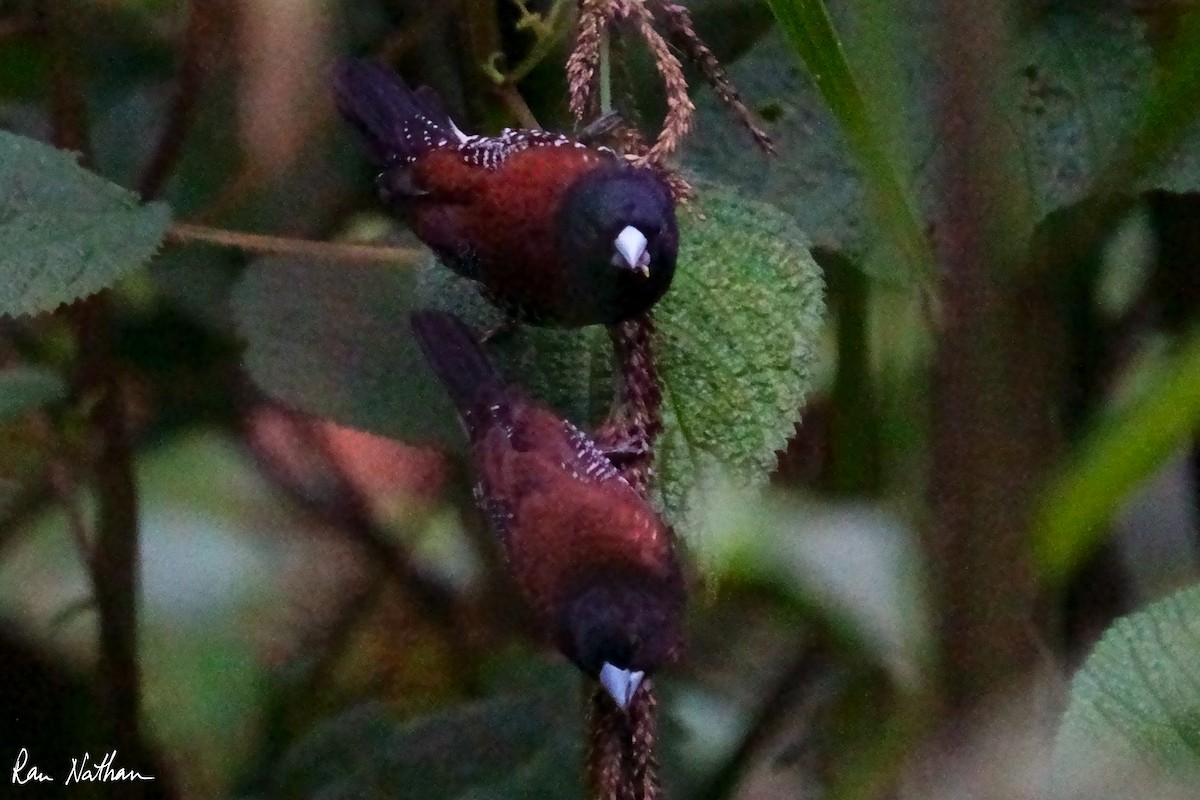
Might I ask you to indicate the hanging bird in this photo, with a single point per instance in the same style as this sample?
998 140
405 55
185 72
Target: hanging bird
555 232
593 559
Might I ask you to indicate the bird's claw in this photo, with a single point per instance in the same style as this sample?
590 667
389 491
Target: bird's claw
499 332
599 128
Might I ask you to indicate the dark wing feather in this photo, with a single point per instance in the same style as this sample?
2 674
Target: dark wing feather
396 123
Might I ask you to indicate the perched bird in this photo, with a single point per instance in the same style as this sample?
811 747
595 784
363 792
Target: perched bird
593 559
555 232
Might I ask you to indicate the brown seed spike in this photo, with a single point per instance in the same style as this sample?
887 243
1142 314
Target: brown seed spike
678 21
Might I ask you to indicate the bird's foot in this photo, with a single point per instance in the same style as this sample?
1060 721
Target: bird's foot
619 446
500 331
599 128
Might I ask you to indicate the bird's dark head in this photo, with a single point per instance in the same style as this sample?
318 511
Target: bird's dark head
618 229
620 628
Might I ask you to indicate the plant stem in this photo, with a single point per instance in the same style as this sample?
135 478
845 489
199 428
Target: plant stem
854 467
994 427
197 54
115 554
115 563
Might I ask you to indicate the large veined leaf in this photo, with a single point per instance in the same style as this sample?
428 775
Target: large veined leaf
737 344
1080 81
335 341
65 232
1134 711
810 30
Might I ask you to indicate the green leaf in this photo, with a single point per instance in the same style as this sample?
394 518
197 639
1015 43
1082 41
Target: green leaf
335 341
850 565
26 388
737 346
737 341
810 30
571 371
522 746
1116 458
1083 85
65 233
1158 154
1134 707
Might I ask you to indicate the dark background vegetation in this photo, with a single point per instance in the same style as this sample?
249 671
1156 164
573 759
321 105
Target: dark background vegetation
995 459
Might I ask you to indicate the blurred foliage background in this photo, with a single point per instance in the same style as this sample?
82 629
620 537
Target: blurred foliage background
982 458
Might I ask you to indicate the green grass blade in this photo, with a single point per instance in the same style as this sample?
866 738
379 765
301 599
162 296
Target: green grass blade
810 31
1077 505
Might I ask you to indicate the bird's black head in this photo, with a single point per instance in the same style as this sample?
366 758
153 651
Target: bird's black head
619 628
619 237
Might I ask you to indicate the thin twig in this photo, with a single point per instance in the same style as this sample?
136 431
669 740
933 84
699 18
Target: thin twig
516 105
62 479
68 111
194 68
643 735
187 233
116 549
608 734
585 55
341 504
549 33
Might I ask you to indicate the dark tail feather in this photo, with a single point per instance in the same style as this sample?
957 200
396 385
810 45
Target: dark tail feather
454 352
396 122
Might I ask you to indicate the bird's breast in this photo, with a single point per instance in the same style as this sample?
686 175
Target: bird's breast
509 215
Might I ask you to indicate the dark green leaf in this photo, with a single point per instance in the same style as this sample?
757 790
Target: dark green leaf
1134 709
26 388
65 232
570 370
810 31
335 341
1080 84
526 745
739 344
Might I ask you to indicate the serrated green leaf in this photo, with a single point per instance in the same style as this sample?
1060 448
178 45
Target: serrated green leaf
65 233
335 341
737 345
1134 707
26 388
521 746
